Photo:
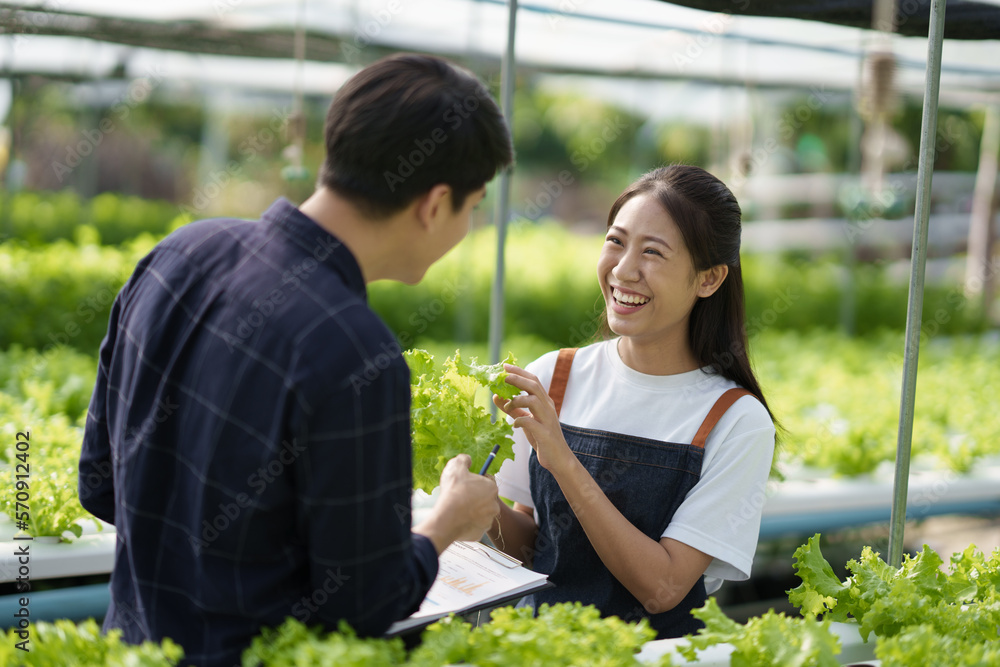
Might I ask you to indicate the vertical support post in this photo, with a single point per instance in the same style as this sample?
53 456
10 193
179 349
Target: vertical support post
6 185
918 265
298 124
978 274
875 104
858 213
502 208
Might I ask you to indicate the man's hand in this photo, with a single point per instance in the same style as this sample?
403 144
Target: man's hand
466 508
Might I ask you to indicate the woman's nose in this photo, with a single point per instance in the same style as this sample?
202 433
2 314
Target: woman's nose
627 268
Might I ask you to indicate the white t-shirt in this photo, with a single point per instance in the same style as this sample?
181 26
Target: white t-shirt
720 516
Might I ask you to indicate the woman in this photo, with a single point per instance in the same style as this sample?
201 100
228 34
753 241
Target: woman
638 460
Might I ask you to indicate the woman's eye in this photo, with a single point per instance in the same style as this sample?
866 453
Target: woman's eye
612 239
654 251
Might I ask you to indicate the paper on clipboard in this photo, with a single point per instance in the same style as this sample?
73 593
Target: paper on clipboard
470 576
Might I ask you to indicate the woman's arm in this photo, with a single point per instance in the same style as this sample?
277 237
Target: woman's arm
658 573
514 531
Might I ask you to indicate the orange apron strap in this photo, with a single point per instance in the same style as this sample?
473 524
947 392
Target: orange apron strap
560 376
715 414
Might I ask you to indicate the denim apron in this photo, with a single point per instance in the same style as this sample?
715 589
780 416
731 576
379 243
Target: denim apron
646 480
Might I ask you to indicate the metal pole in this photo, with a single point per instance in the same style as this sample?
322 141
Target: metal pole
918 263
503 195
978 277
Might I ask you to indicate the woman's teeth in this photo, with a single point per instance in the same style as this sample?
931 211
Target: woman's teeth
629 299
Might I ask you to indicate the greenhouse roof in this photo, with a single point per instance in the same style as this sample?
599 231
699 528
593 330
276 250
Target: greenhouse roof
964 20
637 39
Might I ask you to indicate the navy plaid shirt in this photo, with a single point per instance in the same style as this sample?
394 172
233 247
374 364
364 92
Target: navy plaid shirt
249 439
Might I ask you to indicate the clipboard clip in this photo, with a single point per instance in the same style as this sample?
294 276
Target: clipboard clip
495 555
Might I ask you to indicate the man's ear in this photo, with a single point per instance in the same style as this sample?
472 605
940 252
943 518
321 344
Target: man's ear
711 279
433 205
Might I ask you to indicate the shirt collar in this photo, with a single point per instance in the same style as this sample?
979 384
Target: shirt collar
320 244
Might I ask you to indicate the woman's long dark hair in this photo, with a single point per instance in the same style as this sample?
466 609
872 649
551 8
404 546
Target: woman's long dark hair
709 219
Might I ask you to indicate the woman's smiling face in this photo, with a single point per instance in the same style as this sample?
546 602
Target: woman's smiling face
646 274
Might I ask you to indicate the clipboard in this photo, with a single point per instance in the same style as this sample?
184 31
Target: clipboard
472 576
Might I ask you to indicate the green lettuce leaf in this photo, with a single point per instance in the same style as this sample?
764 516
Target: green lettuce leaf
446 421
771 639
886 601
488 376
564 634
65 642
926 645
293 643
889 600
972 575
420 362
871 581
821 589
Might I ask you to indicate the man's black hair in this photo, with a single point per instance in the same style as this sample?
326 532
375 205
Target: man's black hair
407 123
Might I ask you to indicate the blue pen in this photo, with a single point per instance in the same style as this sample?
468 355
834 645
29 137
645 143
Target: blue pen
489 459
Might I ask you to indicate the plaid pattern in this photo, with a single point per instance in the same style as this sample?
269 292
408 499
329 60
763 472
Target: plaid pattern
248 437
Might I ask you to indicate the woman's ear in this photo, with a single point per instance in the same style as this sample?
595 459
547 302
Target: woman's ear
711 279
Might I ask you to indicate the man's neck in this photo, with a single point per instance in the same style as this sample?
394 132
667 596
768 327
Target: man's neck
375 244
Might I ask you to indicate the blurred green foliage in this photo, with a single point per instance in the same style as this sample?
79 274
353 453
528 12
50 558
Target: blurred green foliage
62 293
552 293
838 399
43 406
959 135
57 381
567 130
551 288
38 218
817 128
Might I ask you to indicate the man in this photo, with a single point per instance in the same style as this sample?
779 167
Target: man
250 424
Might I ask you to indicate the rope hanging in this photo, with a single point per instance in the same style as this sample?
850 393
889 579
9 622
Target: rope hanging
296 171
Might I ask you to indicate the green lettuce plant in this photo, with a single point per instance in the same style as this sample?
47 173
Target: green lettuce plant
772 639
445 418
920 613
562 635
64 642
293 644
49 502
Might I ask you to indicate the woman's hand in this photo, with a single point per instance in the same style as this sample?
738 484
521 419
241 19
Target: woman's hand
535 413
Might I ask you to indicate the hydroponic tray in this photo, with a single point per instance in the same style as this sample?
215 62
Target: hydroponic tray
810 504
47 558
854 651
